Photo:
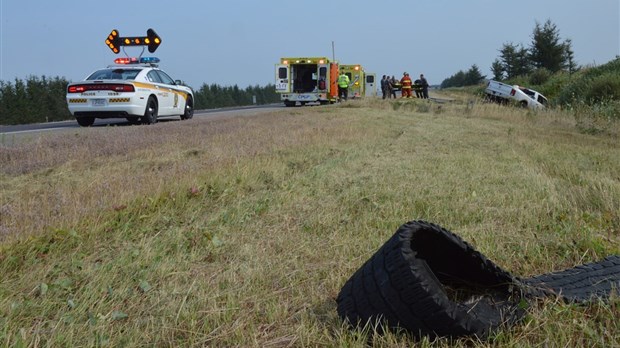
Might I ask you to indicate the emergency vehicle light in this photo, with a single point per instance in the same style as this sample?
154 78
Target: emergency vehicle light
149 60
126 60
357 67
134 60
321 61
285 62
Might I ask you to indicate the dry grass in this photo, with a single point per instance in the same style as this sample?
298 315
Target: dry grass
240 232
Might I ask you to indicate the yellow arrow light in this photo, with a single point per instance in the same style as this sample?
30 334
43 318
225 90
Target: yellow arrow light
152 40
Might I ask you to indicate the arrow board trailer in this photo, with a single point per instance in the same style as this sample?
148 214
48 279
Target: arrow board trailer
362 83
307 80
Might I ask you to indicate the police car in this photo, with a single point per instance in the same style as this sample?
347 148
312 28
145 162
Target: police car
132 88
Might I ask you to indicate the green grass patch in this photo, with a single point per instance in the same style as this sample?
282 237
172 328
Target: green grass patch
241 232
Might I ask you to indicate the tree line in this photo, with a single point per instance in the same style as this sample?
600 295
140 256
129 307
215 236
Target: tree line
216 96
546 54
43 99
471 77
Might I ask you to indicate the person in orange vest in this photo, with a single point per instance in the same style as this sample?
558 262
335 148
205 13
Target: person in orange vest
406 83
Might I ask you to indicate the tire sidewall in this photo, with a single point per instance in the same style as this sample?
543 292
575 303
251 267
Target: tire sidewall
150 117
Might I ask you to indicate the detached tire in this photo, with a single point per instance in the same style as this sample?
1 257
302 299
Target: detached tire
581 284
430 282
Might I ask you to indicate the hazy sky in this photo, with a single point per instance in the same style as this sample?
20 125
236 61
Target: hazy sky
240 41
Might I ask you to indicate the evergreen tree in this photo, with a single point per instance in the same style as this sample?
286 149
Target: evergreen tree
571 64
498 70
546 50
473 76
514 60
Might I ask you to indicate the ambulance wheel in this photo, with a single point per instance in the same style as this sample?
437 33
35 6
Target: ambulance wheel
150 113
189 109
85 121
288 104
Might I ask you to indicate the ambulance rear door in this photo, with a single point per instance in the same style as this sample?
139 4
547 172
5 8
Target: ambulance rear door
283 81
371 85
323 77
333 80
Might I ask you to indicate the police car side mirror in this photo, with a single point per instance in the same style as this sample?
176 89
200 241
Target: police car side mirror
179 82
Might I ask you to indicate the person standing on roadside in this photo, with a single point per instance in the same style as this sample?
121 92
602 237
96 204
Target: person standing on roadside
417 88
405 86
384 87
424 85
343 86
393 83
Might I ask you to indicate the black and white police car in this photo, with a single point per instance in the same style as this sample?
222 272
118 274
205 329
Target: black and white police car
132 88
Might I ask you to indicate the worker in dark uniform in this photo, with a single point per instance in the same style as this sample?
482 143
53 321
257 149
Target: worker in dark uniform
394 86
384 87
417 88
424 85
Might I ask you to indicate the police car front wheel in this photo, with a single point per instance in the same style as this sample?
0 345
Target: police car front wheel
189 109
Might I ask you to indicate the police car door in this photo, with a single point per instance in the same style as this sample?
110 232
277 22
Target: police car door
283 84
162 93
371 85
173 103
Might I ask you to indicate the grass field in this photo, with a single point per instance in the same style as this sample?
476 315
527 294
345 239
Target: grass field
241 232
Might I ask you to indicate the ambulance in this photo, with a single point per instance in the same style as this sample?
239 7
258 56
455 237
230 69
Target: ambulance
302 80
362 83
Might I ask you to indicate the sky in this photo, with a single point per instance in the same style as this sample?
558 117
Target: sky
239 42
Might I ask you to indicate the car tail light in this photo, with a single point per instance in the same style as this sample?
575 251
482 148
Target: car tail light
512 93
115 87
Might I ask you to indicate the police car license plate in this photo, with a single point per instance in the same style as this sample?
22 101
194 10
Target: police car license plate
98 102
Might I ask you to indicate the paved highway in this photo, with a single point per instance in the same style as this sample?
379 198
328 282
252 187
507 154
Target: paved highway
211 113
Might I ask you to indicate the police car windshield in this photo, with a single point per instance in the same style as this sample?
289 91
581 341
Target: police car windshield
114 74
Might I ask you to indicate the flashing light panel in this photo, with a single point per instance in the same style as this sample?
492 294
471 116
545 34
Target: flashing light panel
357 67
321 61
114 41
285 62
